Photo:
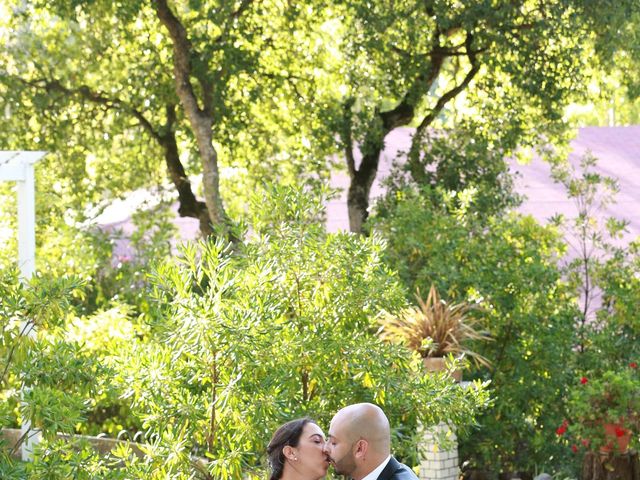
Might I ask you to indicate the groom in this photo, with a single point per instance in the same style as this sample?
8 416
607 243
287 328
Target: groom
359 445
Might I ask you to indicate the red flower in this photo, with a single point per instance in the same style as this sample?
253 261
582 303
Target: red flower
633 365
584 380
620 432
561 429
574 448
585 442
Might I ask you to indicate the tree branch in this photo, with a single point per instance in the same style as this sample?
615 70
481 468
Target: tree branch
99 98
233 16
244 5
11 351
182 59
415 167
445 98
165 136
404 112
347 139
190 206
30 432
200 119
289 79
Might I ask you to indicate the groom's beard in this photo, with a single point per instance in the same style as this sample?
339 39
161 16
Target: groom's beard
344 466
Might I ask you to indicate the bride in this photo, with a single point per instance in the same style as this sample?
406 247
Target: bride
296 451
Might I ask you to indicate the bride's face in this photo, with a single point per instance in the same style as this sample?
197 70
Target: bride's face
312 463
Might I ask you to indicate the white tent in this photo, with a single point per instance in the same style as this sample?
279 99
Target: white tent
17 166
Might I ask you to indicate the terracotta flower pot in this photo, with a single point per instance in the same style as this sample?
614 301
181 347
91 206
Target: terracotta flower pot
438 364
620 438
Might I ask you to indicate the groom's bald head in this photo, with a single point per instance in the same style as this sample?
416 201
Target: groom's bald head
359 440
368 422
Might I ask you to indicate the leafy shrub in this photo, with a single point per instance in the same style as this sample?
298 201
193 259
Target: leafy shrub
108 335
613 398
507 264
235 342
281 327
84 251
605 274
46 379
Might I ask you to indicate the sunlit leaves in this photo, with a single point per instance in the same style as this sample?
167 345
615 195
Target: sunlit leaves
510 264
280 329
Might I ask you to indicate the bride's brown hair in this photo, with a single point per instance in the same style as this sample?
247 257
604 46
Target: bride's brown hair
287 434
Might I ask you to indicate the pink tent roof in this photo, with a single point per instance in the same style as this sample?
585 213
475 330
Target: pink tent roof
616 148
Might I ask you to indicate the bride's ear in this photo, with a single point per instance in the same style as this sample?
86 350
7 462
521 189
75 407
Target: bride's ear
290 453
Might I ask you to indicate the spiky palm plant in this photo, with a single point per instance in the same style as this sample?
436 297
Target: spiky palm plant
435 328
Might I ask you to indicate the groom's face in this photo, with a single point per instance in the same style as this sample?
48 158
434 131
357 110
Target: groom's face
339 449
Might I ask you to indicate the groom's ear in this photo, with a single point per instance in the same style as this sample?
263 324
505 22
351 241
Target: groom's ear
361 448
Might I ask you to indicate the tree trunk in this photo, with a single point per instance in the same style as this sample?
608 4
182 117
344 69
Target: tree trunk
200 116
403 114
359 190
189 205
210 174
619 467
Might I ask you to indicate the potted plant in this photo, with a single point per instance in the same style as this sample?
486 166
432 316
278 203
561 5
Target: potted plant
605 410
435 329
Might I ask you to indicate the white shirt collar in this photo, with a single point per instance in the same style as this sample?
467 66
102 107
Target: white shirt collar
375 473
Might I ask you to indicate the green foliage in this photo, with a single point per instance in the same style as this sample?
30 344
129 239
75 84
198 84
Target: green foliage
508 264
10 469
615 338
603 270
73 82
283 327
471 77
107 335
551 322
84 251
122 278
468 155
62 459
612 97
53 378
283 85
613 397
56 372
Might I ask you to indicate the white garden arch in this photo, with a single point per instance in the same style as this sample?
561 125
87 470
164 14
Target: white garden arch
18 166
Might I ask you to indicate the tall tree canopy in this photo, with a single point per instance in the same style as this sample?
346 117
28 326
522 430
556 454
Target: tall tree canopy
270 88
116 89
513 65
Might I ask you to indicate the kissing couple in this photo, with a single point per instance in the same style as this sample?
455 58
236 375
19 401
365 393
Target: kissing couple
358 445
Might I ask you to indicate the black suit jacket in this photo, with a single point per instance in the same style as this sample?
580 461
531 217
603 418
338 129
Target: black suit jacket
397 471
